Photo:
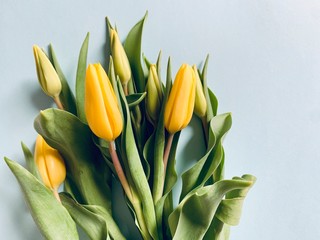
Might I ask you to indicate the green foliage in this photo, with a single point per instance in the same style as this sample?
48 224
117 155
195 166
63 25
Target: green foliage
208 203
51 217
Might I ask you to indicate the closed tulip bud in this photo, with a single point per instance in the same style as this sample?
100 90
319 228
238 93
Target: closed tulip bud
50 164
47 75
101 106
200 105
154 94
120 59
180 104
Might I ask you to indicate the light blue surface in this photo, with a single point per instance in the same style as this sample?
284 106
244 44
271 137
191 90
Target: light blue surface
264 68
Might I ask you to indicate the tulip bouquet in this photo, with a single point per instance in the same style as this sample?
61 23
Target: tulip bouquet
123 122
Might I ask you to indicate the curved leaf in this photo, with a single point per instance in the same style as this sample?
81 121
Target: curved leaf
134 99
194 214
31 164
80 79
229 210
51 217
132 47
207 165
94 220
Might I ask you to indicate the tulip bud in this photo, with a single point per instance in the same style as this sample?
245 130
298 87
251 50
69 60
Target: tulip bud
154 94
47 75
120 59
180 104
101 106
50 164
200 106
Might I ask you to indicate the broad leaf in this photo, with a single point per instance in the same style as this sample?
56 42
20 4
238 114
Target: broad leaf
85 167
94 220
193 216
51 217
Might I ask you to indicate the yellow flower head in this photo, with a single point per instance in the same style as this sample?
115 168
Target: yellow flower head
50 164
154 94
47 75
179 108
120 59
200 106
101 106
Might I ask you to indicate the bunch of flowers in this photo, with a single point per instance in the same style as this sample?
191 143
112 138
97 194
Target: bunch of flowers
124 122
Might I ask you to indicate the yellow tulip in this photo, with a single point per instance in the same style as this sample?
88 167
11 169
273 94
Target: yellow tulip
50 164
101 106
47 75
200 106
180 104
120 59
154 94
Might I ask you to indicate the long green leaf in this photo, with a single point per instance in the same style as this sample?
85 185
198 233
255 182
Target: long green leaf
81 77
136 171
206 166
194 214
51 217
66 96
94 220
31 164
132 47
66 133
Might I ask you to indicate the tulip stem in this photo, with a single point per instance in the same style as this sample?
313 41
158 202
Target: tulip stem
166 154
56 194
125 89
119 170
205 130
58 102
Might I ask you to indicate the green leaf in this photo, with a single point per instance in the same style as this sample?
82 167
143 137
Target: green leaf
159 174
81 77
132 47
94 220
51 217
66 96
212 102
134 99
230 209
73 139
136 171
197 175
31 164
193 216
217 231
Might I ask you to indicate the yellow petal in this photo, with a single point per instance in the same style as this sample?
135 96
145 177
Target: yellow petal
101 107
50 164
179 108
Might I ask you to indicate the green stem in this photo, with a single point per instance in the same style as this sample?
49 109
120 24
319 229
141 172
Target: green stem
56 194
205 129
58 102
166 154
119 171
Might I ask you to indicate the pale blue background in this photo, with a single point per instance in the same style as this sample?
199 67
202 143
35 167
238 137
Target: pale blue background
264 68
